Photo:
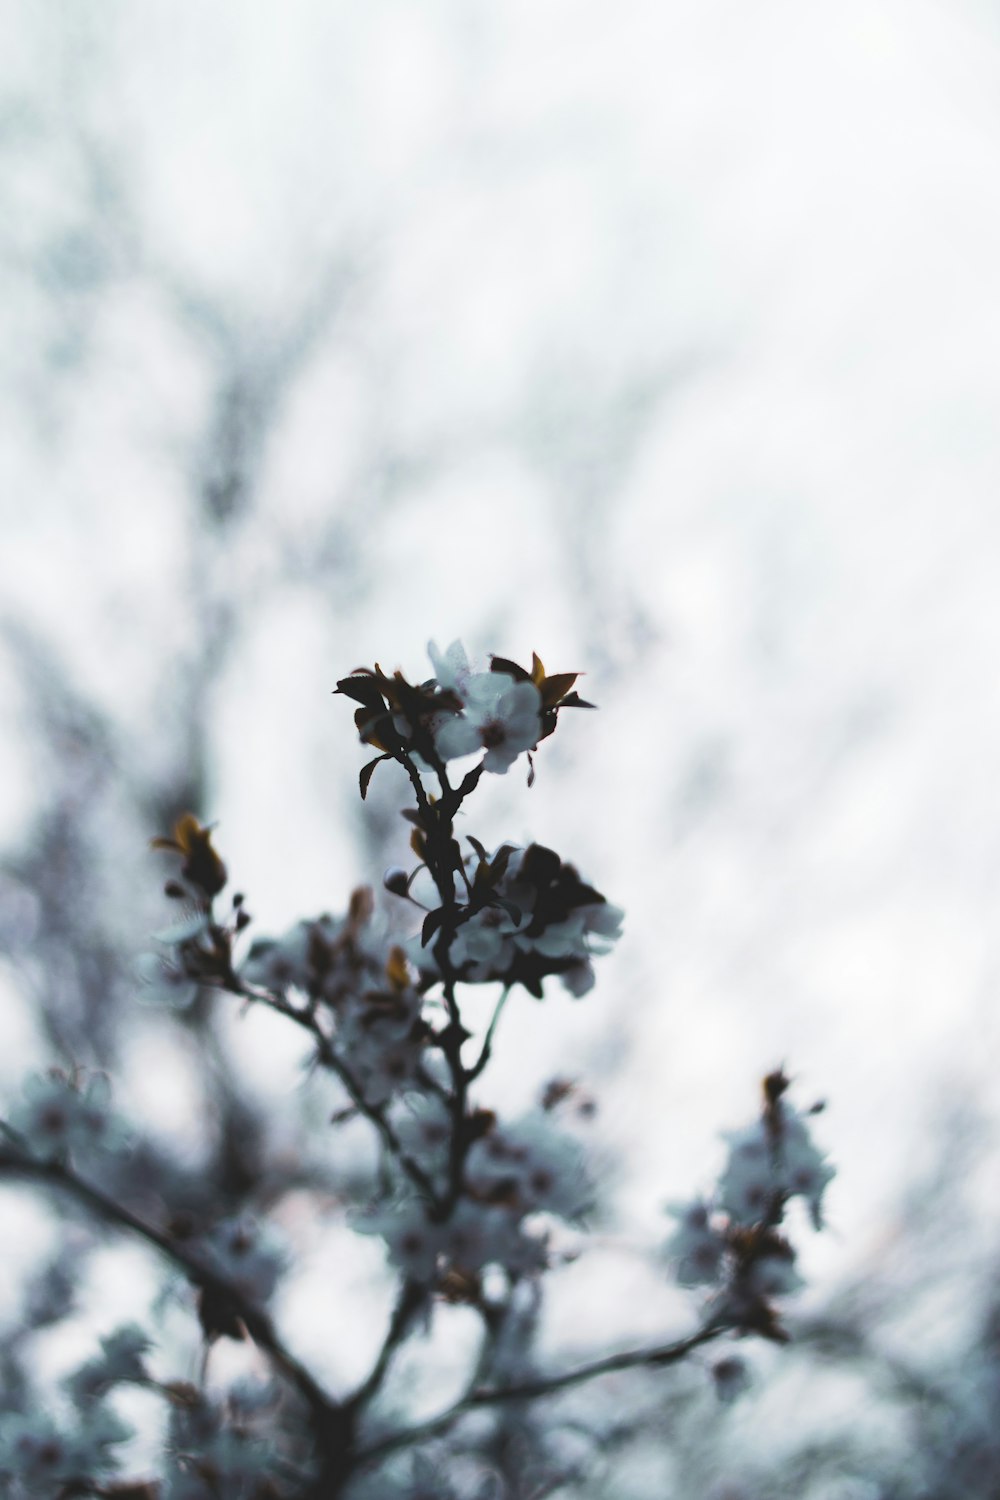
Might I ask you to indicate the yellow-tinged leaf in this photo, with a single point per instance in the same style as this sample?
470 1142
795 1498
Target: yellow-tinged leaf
396 970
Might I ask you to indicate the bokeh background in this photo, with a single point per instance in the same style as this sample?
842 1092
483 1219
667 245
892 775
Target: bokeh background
661 338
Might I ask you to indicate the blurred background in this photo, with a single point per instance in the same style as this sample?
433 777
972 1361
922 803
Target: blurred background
660 338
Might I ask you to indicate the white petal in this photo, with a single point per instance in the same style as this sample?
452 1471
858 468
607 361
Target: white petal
457 736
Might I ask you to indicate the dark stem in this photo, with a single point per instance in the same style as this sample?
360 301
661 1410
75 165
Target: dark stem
411 1298
327 1055
438 824
478 1397
484 1056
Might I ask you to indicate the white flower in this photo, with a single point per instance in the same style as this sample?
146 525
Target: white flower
805 1170
763 1165
413 1242
696 1247
381 1038
451 668
534 1166
502 717
749 1184
35 1451
423 1124
486 942
57 1118
281 964
482 1234
245 1257
165 981
604 923
120 1360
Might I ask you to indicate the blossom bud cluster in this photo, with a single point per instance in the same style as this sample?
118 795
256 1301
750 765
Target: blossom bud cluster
505 711
529 915
42 1458
213 1449
360 980
514 1175
730 1241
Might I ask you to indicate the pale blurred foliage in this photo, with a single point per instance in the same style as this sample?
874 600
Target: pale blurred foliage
660 338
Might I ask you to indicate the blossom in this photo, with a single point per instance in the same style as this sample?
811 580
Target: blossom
327 958
750 1184
530 915
57 1116
120 1361
413 1242
530 1166
805 1170
772 1159
500 716
381 1034
208 1458
37 1452
423 1126
165 981
451 667
244 1256
696 1246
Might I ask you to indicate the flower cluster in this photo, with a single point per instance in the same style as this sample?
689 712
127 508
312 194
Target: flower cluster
471 1209
359 981
731 1242
514 1174
325 959
504 712
42 1459
215 1450
528 915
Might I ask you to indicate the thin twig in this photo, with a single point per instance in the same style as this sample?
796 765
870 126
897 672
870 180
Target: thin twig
484 1056
410 1300
546 1385
327 1055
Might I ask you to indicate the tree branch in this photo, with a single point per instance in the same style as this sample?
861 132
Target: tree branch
327 1055
55 1174
546 1385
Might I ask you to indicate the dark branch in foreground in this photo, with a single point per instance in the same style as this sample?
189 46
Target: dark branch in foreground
257 1322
